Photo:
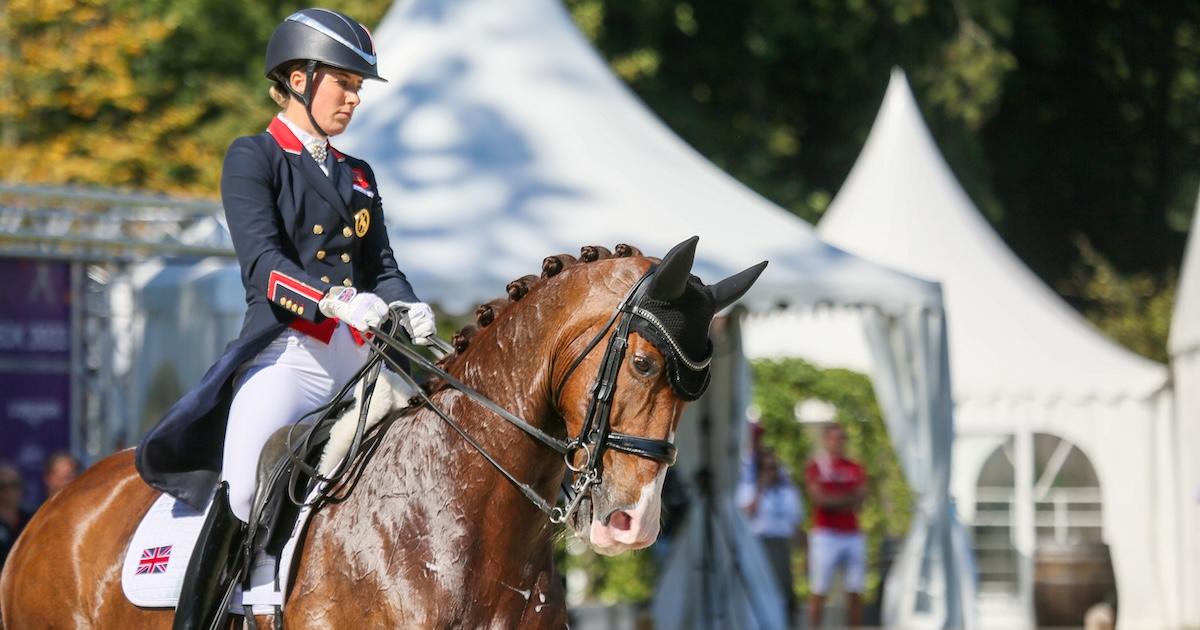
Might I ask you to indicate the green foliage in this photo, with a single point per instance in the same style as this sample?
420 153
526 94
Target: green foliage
136 94
1061 119
1133 309
781 93
968 84
778 387
625 579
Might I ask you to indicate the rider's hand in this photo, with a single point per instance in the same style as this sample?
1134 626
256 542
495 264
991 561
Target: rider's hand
421 326
360 310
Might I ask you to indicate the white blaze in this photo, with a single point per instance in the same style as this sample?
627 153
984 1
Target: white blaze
636 527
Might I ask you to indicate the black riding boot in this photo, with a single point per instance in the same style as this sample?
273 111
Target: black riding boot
213 569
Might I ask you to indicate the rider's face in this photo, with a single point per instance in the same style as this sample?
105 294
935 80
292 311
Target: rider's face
335 96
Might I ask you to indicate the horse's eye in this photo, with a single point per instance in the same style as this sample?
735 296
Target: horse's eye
644 365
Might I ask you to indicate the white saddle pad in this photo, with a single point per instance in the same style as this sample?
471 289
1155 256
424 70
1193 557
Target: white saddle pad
157 557
152 573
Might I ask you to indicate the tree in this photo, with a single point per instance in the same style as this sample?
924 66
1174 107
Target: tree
1062 120
135 94
782 93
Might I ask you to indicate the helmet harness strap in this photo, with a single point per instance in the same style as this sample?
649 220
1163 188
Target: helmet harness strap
310 70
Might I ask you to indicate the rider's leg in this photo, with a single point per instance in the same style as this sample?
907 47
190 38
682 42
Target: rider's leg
209 576
291 377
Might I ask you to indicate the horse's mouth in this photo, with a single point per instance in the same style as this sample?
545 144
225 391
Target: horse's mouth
581 520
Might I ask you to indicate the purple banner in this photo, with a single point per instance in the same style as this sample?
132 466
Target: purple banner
35 309
35 379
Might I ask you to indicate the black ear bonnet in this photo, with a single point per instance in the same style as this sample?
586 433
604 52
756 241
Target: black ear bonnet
679 330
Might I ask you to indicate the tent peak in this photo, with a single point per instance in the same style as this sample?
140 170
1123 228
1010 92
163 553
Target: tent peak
901 206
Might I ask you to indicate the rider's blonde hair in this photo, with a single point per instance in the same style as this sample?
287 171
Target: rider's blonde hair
278 91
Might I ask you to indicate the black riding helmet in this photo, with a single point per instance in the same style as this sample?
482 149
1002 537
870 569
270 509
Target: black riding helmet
320 36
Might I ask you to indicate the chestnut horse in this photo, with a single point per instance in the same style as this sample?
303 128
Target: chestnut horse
433 535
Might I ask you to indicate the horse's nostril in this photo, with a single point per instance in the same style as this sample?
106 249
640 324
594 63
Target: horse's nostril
620 520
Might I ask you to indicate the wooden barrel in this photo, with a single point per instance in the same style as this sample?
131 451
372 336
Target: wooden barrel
1070 578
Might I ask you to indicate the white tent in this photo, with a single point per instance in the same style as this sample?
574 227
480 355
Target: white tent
1184 347
183 314
1024 363
502 138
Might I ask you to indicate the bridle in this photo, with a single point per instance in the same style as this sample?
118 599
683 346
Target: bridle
595 435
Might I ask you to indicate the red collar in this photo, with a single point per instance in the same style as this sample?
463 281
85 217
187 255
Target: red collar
290 143
284 136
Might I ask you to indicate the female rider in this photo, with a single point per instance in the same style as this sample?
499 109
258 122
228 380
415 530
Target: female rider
307 226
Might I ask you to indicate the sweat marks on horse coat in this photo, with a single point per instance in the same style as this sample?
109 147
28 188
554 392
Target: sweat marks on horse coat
410 526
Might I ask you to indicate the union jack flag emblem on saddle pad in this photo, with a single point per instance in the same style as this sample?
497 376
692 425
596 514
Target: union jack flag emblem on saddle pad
154 560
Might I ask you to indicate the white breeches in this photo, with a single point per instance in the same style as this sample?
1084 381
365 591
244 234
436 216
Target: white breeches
288 379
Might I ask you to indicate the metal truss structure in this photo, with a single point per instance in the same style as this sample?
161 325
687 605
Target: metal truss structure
102 233
97 225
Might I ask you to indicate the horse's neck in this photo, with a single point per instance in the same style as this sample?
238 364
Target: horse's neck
509 362
432 528
446 501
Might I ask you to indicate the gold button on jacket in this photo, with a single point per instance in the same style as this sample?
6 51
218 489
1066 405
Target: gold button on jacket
318 229
320 254
345 258
347 232
347 282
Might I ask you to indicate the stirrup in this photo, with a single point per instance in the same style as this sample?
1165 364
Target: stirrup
213 569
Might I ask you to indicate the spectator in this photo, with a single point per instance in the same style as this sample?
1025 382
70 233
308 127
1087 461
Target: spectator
836 485
775 512
12 517
61 469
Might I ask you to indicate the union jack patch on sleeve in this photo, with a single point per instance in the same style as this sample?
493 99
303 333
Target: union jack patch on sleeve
154 560
360 182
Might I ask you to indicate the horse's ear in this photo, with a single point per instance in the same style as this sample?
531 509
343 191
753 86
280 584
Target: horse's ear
728 291
673 272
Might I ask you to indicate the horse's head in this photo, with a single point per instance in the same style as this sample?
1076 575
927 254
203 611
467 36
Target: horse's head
623 403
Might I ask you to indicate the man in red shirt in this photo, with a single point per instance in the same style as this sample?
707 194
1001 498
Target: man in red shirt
836 486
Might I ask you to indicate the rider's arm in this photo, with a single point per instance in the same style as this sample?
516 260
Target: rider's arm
254 225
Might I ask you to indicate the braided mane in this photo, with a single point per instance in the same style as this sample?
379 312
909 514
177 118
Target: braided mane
492 310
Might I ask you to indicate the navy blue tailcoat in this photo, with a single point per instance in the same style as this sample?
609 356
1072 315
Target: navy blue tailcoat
297 232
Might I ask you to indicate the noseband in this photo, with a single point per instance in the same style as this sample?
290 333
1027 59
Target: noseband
595 435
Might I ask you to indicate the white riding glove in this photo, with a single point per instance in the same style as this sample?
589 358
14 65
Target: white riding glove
420 321
360 310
